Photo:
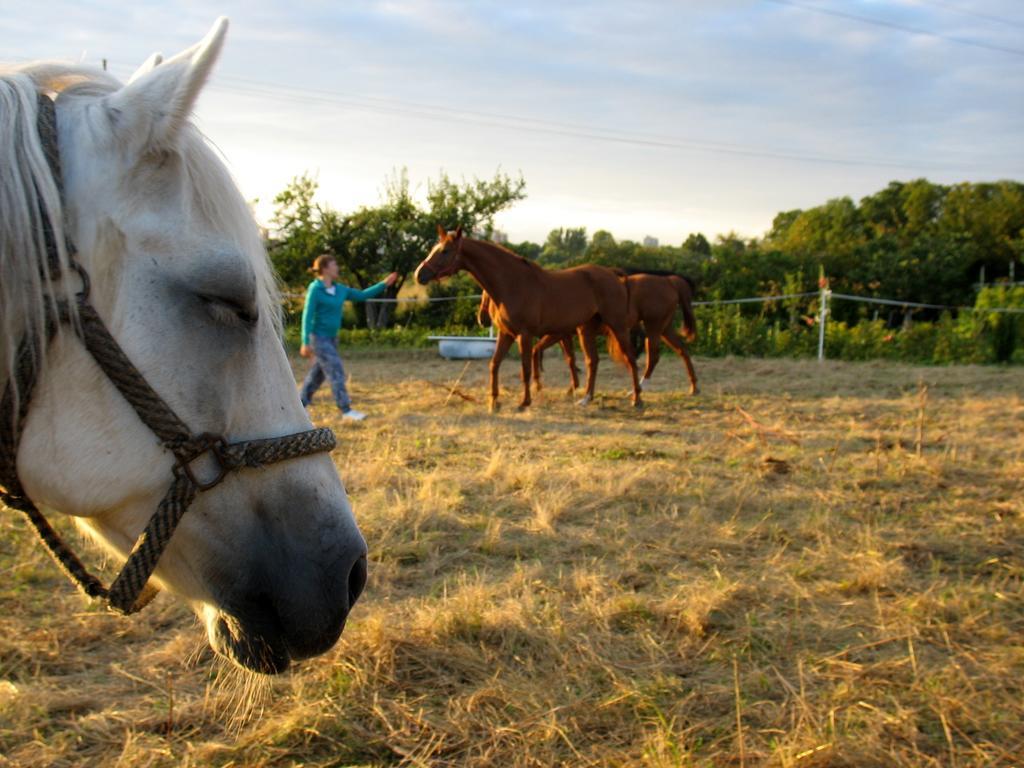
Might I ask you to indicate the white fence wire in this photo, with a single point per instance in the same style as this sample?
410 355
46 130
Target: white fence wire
420 300
825 295
748 300
754 299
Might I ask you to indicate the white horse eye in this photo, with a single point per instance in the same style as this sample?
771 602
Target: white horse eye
230 311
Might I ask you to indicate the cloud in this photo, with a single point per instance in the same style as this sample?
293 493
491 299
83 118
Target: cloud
360 88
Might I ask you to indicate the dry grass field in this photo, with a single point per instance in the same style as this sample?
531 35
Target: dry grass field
805 565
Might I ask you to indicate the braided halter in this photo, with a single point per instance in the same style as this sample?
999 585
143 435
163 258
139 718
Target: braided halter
128 593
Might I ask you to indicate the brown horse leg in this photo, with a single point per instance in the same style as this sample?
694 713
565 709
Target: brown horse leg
570 360
622 336
538 352
675 341
526 359
652 347
501 348
587 341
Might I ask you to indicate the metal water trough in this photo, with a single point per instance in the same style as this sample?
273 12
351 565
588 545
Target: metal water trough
464 347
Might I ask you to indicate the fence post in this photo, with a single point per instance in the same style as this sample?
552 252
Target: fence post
822 316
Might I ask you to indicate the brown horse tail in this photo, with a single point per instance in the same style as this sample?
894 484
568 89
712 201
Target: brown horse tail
483 314
684 286
618 354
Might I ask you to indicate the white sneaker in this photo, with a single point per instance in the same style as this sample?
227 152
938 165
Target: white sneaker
353 415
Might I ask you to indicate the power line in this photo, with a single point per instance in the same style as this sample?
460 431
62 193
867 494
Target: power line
542 126
457 115
267 89
975 14
898 27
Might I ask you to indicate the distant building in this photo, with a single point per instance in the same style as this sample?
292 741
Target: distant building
499 237
650 242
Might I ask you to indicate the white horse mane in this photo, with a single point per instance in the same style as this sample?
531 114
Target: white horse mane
29 195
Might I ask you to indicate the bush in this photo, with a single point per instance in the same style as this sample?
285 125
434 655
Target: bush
1006 330
971 337
459 311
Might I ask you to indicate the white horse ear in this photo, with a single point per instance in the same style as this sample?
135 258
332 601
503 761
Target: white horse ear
155 104
146 67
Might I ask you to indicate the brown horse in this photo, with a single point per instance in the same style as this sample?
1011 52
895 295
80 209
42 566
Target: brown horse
653 300
529 302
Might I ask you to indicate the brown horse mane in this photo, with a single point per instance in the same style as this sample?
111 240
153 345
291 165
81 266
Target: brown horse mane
507 252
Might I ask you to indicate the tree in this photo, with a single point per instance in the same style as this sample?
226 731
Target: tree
471 205
697 244
526 249
991 217
298 238
603 249
392 236
911 240
564 247
372 242
781 225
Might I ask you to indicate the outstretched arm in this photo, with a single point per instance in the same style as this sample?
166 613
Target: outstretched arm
373 291
308 313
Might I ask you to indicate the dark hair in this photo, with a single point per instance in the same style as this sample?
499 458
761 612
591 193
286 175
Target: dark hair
321 261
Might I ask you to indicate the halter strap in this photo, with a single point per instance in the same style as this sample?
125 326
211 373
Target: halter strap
128 593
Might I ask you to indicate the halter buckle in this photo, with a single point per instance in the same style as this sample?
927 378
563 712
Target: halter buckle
205 443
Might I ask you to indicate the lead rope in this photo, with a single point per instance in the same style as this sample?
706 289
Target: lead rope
128 593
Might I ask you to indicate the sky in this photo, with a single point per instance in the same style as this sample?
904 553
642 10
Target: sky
641 118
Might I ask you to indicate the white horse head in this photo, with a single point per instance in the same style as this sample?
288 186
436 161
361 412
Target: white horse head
271 559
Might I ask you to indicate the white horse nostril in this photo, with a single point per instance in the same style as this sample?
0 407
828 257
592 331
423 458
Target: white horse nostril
356 581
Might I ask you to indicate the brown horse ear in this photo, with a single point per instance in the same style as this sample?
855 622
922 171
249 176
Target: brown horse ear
458 232
441 234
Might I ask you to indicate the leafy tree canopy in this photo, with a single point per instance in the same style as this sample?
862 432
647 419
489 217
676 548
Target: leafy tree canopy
912 240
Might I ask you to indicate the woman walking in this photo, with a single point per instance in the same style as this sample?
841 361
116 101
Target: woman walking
321 321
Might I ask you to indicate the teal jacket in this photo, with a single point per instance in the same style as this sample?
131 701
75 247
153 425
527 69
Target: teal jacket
322 314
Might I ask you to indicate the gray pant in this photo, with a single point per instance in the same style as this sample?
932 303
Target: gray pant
326 365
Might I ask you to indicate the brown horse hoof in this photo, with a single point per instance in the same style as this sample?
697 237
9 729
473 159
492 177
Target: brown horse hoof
638 404
694 391
494 406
